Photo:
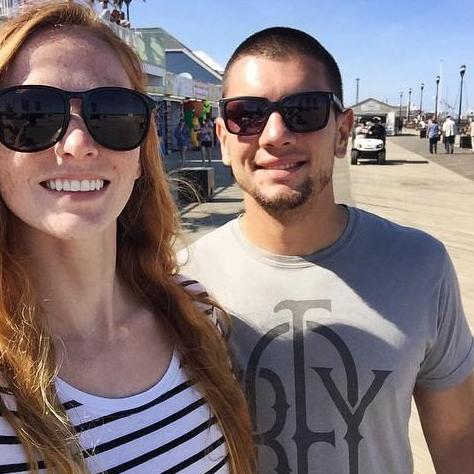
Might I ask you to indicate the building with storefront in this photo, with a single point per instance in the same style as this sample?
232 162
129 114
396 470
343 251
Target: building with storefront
192 87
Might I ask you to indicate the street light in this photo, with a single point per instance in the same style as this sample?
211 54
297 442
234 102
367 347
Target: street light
421 99
462 70
357 90
436 100
401 119
408 108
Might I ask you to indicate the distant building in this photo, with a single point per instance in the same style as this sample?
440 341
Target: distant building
370 108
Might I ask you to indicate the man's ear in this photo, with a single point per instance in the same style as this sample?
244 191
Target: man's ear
221 133
344 123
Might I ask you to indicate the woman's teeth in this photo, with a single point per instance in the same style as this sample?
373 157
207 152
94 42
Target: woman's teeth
74 185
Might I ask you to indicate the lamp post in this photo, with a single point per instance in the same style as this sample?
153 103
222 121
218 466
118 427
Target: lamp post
401 118
422 86
357 90
462 70
436 99
408 108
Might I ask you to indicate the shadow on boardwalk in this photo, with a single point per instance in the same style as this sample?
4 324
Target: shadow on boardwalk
393 162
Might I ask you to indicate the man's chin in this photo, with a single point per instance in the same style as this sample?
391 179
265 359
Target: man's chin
285 201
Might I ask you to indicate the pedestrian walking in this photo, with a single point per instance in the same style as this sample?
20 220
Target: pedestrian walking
449 134
422 128
470 131
182 137
205 135
433 132
340 316
110 361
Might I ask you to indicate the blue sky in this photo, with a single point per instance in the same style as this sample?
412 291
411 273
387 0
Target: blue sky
390 45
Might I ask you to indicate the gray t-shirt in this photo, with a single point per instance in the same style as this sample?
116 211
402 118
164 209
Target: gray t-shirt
332 344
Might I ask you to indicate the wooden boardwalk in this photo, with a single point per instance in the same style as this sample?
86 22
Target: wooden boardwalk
413 191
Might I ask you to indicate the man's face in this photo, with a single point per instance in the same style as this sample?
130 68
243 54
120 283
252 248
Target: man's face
278 169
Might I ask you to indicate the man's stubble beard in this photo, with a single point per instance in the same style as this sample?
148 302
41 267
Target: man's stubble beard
284 202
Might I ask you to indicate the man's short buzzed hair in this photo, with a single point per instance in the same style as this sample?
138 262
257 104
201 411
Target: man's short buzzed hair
280 43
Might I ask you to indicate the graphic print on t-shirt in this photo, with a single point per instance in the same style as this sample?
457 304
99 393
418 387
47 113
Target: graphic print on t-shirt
351 400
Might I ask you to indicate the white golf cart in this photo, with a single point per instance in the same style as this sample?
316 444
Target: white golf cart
366 148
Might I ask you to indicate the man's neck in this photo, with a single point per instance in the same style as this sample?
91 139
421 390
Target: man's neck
301 231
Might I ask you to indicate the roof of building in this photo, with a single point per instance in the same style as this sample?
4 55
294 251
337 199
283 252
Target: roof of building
168 40
373 103
172 45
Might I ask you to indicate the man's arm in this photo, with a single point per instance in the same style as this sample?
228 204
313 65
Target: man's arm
447 418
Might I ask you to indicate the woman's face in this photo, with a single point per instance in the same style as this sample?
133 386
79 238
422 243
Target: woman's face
74 60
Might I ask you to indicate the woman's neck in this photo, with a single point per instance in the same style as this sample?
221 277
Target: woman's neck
76 281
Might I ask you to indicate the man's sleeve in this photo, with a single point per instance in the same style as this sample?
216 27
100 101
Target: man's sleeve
450 360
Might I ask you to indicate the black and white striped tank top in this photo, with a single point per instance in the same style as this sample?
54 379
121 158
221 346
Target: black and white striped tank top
169 428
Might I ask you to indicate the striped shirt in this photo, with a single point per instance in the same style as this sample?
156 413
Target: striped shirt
169 428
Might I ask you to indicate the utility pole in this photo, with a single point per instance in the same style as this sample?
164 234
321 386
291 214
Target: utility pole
357 90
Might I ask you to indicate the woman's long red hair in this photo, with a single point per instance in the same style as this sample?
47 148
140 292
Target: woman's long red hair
147 230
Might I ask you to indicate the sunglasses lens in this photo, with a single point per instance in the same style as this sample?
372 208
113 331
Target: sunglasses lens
30 119
246 116
117 119
306 112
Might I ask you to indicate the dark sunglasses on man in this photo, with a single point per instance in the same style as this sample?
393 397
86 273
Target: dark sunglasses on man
36 117
302 112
